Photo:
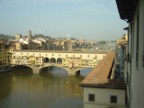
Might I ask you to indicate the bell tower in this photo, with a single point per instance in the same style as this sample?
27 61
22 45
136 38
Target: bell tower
30 34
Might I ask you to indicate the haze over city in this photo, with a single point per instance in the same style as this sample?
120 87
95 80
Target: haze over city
85 19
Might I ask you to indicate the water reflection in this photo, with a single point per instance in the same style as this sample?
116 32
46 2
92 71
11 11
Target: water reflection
52 88
5 85
85 72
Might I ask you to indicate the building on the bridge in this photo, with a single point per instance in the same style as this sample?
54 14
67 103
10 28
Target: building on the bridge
100 89
73 61
77 58
38 61
78 61
132 12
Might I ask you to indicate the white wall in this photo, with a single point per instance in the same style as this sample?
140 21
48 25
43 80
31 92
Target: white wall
137 72
102 97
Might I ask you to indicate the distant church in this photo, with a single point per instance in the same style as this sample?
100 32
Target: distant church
30 34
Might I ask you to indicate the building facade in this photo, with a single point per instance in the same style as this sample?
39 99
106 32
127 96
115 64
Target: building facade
103 98
18 37
66 59
100 89
121 55
5 53
132 12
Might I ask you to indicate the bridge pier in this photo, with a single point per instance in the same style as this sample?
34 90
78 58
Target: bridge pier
36 69
73 71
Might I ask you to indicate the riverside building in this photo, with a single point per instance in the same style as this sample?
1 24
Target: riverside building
101 90
132 11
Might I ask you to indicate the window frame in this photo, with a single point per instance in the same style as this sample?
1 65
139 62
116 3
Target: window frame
91 97
113 99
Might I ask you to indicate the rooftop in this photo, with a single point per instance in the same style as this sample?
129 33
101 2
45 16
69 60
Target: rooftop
99 77
63 51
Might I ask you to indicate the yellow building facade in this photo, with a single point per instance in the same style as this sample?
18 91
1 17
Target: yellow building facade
5 53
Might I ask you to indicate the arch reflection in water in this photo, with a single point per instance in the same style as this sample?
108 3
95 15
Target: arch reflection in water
54 71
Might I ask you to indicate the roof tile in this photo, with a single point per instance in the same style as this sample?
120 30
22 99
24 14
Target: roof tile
99 76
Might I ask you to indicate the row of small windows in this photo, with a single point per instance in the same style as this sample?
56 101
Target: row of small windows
80 64
39 54
59 55
27 62
113 98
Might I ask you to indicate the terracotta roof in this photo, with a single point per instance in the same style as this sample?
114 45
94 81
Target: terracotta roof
99 76
105 83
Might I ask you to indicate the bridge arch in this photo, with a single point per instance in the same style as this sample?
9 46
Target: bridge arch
52 60
59 60
46 60
53 65
21 66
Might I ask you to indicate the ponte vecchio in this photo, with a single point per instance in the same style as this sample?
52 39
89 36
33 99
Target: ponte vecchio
72 61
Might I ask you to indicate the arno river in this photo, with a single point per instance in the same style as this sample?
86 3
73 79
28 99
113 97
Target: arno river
52 88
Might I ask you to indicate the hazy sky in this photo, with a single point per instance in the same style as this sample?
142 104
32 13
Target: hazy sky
85 19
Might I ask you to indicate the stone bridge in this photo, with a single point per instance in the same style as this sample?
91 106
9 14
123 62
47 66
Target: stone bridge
72 62
71 71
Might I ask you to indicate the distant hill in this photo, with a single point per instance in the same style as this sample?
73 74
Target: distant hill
3 36
40 35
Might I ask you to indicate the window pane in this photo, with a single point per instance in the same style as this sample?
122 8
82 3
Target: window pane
91 97
113 99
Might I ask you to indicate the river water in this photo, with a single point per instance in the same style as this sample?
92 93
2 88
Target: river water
52 88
